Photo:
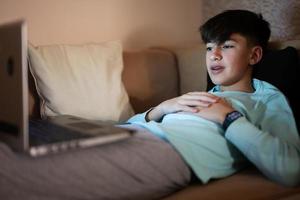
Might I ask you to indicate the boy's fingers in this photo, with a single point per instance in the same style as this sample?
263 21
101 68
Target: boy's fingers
188 109
202 96
192 102
202 93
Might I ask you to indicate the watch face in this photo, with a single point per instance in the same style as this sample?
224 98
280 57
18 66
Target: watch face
231 117
234 115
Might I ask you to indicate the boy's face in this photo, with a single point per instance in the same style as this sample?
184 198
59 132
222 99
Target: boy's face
228 64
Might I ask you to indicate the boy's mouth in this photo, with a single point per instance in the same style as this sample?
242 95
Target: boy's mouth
216 69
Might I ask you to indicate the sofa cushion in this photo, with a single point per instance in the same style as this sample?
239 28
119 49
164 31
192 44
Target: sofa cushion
247 184
150 77
192 68
81 80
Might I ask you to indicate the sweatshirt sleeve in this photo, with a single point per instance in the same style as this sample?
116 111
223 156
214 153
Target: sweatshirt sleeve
273 146
138 117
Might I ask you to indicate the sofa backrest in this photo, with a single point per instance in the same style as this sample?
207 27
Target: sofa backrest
150 76
153 75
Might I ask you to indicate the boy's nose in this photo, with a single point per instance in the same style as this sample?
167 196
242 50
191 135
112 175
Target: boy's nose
216 55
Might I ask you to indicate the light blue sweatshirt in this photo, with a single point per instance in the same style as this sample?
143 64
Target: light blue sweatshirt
266 136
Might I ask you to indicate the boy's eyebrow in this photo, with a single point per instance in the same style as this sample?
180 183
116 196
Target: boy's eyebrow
220 43
230 40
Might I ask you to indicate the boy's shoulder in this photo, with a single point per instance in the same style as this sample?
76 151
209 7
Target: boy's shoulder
259 86
266 90
263 86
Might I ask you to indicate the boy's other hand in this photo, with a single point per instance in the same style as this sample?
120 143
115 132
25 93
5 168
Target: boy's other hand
216 111
190 102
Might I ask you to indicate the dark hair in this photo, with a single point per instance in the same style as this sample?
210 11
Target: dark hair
219 28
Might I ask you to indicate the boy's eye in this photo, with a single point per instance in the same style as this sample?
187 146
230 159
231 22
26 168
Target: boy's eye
208 48
228 46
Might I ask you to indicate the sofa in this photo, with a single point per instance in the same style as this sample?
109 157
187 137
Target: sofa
153 75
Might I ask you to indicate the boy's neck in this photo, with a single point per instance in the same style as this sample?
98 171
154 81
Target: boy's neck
244 86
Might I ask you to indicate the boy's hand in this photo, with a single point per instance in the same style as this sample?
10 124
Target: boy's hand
216 111
190 102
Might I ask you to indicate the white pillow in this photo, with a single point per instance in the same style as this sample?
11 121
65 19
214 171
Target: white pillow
81 80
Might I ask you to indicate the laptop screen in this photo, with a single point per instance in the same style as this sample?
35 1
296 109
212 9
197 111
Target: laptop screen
14 85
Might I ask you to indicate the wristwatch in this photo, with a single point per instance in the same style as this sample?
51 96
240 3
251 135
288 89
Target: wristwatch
231 117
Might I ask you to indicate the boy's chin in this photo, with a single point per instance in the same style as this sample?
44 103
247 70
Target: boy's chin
216 82
220 81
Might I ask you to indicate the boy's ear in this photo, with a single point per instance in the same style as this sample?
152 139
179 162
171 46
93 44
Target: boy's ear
256 55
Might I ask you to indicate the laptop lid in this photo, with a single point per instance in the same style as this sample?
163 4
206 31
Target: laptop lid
14 85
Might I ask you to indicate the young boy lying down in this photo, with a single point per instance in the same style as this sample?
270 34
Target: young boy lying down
241 120
216 133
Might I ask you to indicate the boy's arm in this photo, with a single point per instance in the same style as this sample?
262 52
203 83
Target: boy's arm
184 103
138 117
277 152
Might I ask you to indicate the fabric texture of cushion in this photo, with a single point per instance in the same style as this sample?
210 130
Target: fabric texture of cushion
150 77
81 80
192 67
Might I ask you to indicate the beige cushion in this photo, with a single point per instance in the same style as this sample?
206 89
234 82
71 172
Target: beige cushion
80 80
150 77
192 68
284 44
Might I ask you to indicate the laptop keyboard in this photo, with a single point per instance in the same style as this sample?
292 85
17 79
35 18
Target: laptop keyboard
43 131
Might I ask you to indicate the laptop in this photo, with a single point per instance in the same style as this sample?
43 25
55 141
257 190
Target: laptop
35 136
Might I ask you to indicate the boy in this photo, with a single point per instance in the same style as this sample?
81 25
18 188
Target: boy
241 120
